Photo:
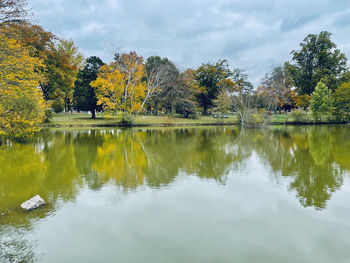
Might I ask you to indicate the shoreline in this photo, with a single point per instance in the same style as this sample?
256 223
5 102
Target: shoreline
184 125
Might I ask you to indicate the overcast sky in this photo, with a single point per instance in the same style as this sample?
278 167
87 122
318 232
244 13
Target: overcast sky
254 35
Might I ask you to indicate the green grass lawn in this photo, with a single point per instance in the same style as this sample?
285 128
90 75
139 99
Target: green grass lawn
83 119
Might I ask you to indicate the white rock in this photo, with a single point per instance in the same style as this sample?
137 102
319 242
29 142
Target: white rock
33 203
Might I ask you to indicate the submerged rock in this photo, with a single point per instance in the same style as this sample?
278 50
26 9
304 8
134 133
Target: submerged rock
33 203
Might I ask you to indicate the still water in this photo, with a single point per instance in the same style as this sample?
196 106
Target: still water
178 195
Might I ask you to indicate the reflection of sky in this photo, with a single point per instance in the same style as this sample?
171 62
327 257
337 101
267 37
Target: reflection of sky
199 221
254 35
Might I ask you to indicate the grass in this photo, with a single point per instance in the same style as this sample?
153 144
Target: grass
83 119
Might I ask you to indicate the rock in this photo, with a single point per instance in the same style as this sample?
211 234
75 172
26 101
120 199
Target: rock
33 203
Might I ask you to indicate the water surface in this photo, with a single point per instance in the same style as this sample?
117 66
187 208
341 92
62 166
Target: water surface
178 195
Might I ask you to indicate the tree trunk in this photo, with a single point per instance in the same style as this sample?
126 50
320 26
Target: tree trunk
93 114
205 110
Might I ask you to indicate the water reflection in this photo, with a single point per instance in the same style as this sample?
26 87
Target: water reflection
59 163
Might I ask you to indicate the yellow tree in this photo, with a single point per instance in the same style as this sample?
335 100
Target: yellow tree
120 86
22 107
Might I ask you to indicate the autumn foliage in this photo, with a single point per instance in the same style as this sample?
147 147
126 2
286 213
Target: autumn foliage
120 86
21 101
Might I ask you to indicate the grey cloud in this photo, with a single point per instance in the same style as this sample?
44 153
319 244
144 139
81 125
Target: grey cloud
252 34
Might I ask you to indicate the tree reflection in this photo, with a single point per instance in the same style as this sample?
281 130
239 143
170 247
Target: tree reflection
133 157
58 164
306 155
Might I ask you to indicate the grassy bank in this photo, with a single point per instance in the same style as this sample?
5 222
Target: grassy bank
84 120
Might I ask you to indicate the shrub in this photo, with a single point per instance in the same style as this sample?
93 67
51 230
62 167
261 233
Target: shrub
299 115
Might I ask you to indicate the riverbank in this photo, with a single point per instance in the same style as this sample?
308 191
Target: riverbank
84 120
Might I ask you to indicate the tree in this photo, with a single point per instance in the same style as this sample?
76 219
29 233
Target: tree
13 11
184 89
40 44
276 90
318 59
222 103
120 86
321 102
160 72
21 102
70 61
302 101
84 95
208 76
342 101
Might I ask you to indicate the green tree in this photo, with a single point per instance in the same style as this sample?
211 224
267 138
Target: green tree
63 64
222 103
321 102
318 59
84 95
209 76
342 102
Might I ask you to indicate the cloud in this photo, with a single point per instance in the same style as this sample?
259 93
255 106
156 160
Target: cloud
252 34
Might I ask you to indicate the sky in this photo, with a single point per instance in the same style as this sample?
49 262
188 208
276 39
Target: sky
254 35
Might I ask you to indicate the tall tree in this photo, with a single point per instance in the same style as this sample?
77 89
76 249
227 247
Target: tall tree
84 96
208 76
159 73
120 86
13 11
321 102
275 89
63 66
40 44
21 102
342 101
318 59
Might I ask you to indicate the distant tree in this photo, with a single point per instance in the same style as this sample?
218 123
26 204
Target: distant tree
346 77
342 101
276 90
185 90
240 78
63 64
120 86
302 101
13 11
223 103
208 76
318 59
84 96
321 102
21 102
71 60
160 72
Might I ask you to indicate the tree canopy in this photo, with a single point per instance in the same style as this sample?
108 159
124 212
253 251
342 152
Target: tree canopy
21 101
209 76
84 96
318 59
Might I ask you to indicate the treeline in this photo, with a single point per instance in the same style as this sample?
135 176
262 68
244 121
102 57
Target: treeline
41 73
37 71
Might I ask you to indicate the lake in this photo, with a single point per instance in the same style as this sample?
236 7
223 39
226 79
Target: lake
208 194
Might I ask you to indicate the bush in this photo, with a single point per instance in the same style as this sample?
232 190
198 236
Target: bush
48 115
57 106
253 118
299 115
127 120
